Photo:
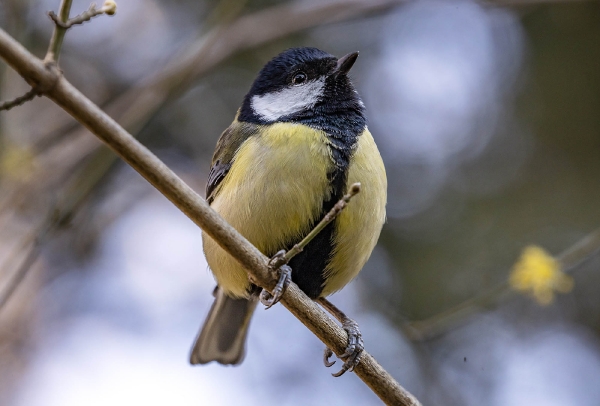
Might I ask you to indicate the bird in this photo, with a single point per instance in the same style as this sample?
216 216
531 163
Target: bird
297 143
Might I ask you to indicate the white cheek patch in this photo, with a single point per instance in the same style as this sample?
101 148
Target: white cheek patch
272 106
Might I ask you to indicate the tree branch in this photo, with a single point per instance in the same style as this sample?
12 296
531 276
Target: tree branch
30 95
59 32
198 210
108 8
62 23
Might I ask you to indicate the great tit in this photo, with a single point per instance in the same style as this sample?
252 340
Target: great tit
297 142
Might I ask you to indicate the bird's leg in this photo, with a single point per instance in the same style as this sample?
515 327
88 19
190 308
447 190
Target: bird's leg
351 356
277 264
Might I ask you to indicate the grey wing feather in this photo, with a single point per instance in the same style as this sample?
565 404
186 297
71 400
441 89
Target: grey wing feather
217 173
229 142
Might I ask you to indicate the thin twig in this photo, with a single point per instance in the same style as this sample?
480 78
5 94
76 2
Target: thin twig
583 249
328 218
87 15
30 95
197 209
59 32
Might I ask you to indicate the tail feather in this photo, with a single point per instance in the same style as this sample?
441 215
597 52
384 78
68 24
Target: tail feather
223 335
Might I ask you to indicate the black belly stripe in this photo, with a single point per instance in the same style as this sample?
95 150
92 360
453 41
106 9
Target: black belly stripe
308 267
343 130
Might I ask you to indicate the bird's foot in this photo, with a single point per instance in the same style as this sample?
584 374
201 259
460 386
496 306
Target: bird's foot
285 276
351 356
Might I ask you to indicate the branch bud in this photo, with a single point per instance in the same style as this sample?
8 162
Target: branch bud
109 7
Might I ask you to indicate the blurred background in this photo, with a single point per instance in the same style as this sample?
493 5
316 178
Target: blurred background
487 115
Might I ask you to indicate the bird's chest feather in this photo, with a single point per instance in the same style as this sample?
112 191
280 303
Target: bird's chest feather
276 185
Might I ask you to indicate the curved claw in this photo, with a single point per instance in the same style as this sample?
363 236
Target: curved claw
285 276
328 354
355 347
266 298
342 371
349 364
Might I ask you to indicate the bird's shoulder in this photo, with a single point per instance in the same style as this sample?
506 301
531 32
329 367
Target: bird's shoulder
229 142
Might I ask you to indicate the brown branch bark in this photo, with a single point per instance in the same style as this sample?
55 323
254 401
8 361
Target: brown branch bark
197 209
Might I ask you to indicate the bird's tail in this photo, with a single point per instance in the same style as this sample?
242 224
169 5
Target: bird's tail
223 335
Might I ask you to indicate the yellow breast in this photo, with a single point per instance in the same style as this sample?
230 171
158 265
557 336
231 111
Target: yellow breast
275 190
272 193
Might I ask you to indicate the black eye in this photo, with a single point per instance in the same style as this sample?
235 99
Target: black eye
299 78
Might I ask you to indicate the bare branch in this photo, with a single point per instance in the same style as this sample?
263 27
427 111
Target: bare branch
198 210
30 95
59 32
108 8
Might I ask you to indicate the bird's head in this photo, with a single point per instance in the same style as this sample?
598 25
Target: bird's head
302 84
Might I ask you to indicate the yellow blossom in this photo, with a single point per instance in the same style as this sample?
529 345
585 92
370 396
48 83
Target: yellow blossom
538 273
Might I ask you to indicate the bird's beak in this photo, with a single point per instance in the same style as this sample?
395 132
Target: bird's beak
344 64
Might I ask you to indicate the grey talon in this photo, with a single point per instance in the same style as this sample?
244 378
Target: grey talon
328 354
268 299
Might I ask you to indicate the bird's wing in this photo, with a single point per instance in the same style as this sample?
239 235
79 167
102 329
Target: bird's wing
228 144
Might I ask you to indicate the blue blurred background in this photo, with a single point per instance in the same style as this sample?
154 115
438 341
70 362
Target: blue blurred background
487 115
